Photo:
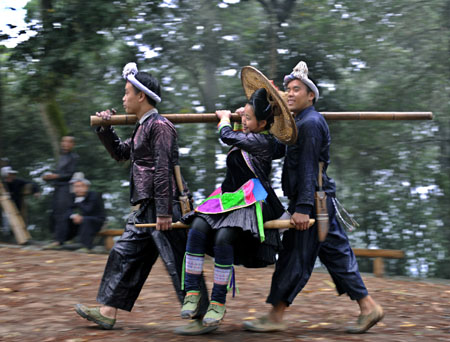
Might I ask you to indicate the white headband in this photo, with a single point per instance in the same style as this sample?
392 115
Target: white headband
128 73
301 72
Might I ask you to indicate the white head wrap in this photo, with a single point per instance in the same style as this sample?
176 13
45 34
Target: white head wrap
300 72
79 177
7 170
128 73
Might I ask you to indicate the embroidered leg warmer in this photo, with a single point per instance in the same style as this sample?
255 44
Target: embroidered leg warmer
222 270
194 258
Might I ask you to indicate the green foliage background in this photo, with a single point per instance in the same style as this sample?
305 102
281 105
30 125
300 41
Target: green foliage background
385 55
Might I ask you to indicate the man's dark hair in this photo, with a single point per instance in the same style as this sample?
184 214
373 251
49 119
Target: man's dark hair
151 83
310 90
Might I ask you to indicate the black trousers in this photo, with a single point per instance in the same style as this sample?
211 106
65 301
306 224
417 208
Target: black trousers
84 232
223 236
296 262
134 254
61 203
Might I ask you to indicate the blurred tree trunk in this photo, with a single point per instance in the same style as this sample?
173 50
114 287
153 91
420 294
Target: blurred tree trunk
1 115
278 11
273 45
49 111
50 129
208 80
444 136
445 124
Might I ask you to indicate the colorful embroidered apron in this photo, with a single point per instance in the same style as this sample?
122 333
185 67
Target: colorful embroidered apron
251 193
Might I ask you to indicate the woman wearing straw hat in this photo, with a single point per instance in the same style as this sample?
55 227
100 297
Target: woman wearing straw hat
229 223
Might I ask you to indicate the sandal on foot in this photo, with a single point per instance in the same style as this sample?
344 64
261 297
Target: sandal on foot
365 322
214 315
194 328
263 324
95 316
191 304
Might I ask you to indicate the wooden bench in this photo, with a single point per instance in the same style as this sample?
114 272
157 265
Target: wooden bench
108 236
379 255
378 263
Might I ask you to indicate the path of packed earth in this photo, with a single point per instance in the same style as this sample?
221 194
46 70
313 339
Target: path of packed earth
38 290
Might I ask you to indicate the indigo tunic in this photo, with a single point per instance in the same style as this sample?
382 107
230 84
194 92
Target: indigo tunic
301 248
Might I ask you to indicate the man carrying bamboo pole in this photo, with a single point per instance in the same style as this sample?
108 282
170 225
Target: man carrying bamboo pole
153 152
311 193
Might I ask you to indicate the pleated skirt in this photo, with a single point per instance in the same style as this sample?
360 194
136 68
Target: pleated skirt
249 251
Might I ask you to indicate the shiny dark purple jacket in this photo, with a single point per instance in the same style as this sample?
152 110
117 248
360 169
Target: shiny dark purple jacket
153 152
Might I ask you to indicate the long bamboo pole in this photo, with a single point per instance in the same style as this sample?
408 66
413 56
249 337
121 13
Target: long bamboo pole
274 224
130 119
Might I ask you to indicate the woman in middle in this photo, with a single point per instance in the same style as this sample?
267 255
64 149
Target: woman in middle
228 225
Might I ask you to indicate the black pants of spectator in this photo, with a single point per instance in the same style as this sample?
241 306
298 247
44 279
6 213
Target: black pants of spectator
301 249
134 254
61 203
84 232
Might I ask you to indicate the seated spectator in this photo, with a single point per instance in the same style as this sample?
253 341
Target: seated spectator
85 217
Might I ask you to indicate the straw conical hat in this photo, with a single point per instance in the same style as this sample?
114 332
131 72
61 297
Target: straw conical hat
283 128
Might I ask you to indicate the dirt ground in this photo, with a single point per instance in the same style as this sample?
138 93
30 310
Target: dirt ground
38 290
